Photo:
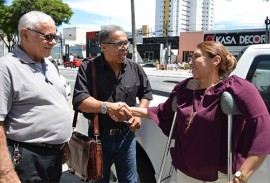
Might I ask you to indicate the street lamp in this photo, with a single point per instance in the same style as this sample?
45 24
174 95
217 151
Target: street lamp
267 22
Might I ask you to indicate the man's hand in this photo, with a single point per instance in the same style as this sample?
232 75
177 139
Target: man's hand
7 172
9 177
134 124
119 111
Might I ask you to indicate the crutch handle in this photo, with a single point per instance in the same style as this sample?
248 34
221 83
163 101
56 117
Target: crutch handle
174 104
228 104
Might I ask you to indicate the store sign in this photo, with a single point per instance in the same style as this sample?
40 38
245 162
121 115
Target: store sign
237 39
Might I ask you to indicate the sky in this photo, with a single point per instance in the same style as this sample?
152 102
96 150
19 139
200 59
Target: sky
229 14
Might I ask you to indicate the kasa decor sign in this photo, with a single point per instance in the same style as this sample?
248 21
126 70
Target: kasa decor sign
237 39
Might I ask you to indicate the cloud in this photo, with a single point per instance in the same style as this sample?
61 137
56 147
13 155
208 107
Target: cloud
240 14
116 12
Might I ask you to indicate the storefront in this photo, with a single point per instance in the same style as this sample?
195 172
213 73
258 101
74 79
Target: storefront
233 40
236 41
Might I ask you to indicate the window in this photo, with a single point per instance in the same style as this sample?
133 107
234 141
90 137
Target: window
259 75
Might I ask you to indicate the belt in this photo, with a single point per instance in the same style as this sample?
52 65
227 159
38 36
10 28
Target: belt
113 132
42 145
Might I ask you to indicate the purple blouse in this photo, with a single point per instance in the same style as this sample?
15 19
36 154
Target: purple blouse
202 151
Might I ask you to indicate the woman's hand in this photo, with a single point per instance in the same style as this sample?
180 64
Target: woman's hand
236 180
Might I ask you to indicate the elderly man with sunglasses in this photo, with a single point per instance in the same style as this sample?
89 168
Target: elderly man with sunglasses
35 120
119 81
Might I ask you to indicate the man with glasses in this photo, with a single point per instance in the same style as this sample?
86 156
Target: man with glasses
119 81
35 120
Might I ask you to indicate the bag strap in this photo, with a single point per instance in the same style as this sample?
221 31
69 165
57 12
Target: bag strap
75 119
96 126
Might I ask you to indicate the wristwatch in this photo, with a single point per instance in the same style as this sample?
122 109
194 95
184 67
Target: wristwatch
240 175
103 108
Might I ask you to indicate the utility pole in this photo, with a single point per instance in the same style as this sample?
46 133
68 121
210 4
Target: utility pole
167 43
134 40
267 22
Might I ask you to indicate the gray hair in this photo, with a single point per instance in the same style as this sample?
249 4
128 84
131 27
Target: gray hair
106 30
32 18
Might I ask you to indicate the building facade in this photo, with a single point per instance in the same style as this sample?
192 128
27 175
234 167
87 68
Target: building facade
73 40
175 16
233 40
74 35
146 31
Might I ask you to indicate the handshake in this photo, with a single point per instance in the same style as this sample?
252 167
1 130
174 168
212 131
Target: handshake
121 112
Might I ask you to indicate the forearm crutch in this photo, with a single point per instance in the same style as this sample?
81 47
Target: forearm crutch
174 109
229 108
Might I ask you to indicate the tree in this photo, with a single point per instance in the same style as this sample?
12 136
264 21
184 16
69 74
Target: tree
10 15
2 2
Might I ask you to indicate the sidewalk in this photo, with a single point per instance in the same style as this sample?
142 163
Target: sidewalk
152 71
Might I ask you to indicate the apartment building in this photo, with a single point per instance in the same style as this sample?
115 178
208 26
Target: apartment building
175 16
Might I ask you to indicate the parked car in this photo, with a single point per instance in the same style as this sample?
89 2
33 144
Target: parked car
76 63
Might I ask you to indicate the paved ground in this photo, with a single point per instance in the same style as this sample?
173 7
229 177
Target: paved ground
151 70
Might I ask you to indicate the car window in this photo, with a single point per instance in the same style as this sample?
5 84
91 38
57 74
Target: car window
259 76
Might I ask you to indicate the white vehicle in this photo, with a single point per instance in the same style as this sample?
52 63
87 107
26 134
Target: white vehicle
253 65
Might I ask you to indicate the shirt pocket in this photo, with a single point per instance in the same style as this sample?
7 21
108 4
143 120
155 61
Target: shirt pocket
131 94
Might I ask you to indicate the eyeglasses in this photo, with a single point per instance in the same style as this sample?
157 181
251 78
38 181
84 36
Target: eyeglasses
47 37
119 44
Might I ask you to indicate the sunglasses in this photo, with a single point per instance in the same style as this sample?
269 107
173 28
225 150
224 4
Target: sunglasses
47 37
119 44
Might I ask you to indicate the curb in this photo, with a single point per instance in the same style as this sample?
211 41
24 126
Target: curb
152 71
164 73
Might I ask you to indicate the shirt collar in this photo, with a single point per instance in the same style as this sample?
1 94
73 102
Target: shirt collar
18 51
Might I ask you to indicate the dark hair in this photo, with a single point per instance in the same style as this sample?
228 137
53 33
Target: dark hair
104 34
228 61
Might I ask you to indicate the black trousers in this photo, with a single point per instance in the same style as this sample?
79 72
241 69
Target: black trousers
38 164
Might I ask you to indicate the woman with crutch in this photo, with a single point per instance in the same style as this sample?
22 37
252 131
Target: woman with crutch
200 134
